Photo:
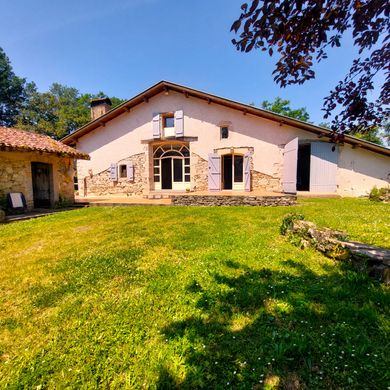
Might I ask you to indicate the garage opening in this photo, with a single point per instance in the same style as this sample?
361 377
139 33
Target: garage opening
303 167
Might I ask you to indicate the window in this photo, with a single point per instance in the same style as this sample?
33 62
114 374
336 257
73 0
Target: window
224 132
177 169
180 161
238 168
122 171
168 120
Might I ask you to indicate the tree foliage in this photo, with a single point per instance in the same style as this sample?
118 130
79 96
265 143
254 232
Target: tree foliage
301 32
282 106
57 112
11 92
376 135
372 135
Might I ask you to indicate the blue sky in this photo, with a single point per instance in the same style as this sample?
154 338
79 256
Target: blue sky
123 47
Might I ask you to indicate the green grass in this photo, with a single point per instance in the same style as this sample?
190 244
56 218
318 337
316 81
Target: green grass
165 297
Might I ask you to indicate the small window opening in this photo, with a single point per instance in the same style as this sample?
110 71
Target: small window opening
168 120
122 171
224 132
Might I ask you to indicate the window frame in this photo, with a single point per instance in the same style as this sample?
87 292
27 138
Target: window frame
224 130
172 150
122 168
164 117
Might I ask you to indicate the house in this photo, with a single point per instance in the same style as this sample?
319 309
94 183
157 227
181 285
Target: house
172 138
38 166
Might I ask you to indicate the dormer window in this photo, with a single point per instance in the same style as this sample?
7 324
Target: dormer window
168 124
224 132
169 120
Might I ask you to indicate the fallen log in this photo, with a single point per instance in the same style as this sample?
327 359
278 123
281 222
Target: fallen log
333 244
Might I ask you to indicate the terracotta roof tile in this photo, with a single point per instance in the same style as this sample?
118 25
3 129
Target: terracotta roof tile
25 141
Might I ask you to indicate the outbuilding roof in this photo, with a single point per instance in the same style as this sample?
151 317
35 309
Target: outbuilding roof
24 141
166 86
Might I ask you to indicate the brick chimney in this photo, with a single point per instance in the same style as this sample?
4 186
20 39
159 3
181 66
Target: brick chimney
99 107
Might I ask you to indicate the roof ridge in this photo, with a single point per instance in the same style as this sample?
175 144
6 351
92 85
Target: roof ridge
164 85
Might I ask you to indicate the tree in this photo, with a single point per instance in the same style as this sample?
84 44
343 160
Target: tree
57 112
376 135
12 92
386 133
302 31
371 135
281 106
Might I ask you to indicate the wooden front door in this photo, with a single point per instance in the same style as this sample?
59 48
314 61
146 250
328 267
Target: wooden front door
41 181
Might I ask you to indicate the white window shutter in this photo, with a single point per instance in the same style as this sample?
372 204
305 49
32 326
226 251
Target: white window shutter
179 123
156 125
323 167
114 172
247 171
290 156
214 172
130 171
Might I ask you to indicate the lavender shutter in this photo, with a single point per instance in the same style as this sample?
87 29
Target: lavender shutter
179 123
113 172
214 172
156 126
130 171
289 177
323 167
247 171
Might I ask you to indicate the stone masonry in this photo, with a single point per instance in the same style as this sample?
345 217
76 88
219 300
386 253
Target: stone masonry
199 172
261 181
220 200
101 183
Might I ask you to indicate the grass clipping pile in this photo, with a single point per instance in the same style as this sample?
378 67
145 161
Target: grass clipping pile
334 244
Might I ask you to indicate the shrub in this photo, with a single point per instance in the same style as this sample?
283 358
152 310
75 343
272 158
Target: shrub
379 194
288 221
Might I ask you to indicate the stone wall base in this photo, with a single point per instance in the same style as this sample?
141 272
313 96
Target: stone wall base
218 200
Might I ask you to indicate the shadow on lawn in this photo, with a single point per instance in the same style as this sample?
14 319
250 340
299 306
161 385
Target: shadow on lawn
294 328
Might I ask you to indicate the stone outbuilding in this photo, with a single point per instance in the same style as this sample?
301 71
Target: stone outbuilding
38 166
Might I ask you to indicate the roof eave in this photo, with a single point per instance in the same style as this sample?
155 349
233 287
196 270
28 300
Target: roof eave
245 108
76 156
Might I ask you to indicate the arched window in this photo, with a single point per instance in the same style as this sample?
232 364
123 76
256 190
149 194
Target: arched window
172 174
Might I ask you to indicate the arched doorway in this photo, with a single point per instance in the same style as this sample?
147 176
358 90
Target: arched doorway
171 167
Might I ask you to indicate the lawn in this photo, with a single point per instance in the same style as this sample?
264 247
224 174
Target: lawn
165 297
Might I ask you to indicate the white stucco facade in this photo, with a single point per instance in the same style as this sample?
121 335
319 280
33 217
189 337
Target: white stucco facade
131 134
